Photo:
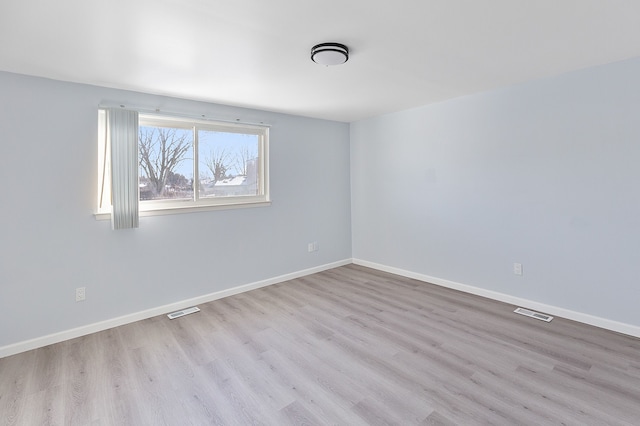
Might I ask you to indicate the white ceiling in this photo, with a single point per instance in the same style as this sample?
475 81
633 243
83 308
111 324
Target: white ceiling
255 53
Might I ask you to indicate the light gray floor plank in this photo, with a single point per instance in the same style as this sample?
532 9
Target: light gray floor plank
348 346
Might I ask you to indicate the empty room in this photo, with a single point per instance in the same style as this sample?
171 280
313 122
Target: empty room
320 213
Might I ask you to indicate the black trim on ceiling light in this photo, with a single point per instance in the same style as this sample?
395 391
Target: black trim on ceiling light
318 54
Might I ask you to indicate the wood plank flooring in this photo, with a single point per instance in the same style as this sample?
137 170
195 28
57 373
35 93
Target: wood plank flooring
348 346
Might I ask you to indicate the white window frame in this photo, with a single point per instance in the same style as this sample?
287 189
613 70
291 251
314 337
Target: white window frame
197 204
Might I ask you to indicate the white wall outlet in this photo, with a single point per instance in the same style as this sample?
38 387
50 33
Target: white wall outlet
310 247
81 294
314 246
517 268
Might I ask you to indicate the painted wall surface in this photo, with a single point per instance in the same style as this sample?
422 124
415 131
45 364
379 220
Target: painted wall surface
545 173
50 242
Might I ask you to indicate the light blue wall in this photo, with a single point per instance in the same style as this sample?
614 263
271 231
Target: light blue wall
545 173
50 242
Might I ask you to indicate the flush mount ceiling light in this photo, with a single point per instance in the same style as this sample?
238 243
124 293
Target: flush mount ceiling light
329 54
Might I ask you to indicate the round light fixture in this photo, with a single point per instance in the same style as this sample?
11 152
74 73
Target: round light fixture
329 54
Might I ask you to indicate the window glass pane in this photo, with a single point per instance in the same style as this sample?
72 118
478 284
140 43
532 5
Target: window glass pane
166 163
228 164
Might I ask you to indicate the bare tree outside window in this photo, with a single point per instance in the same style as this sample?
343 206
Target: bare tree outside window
161 150
218 162
243 157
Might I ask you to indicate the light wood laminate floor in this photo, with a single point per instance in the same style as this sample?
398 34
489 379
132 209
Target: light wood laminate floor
348 346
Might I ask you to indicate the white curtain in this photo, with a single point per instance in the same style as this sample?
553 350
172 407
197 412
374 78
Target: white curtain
122 131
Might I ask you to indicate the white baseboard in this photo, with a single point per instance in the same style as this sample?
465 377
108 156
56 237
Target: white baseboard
628 329
160 310
38 342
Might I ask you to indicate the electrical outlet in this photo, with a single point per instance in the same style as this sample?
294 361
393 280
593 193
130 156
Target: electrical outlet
517 268
314 246
81 294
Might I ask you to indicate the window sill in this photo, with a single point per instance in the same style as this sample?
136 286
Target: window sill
190 209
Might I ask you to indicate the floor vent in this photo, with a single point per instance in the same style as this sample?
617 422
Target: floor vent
533 314
178 314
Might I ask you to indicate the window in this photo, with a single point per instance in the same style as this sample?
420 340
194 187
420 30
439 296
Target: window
192 164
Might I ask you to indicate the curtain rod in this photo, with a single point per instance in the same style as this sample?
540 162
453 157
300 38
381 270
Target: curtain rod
201 117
